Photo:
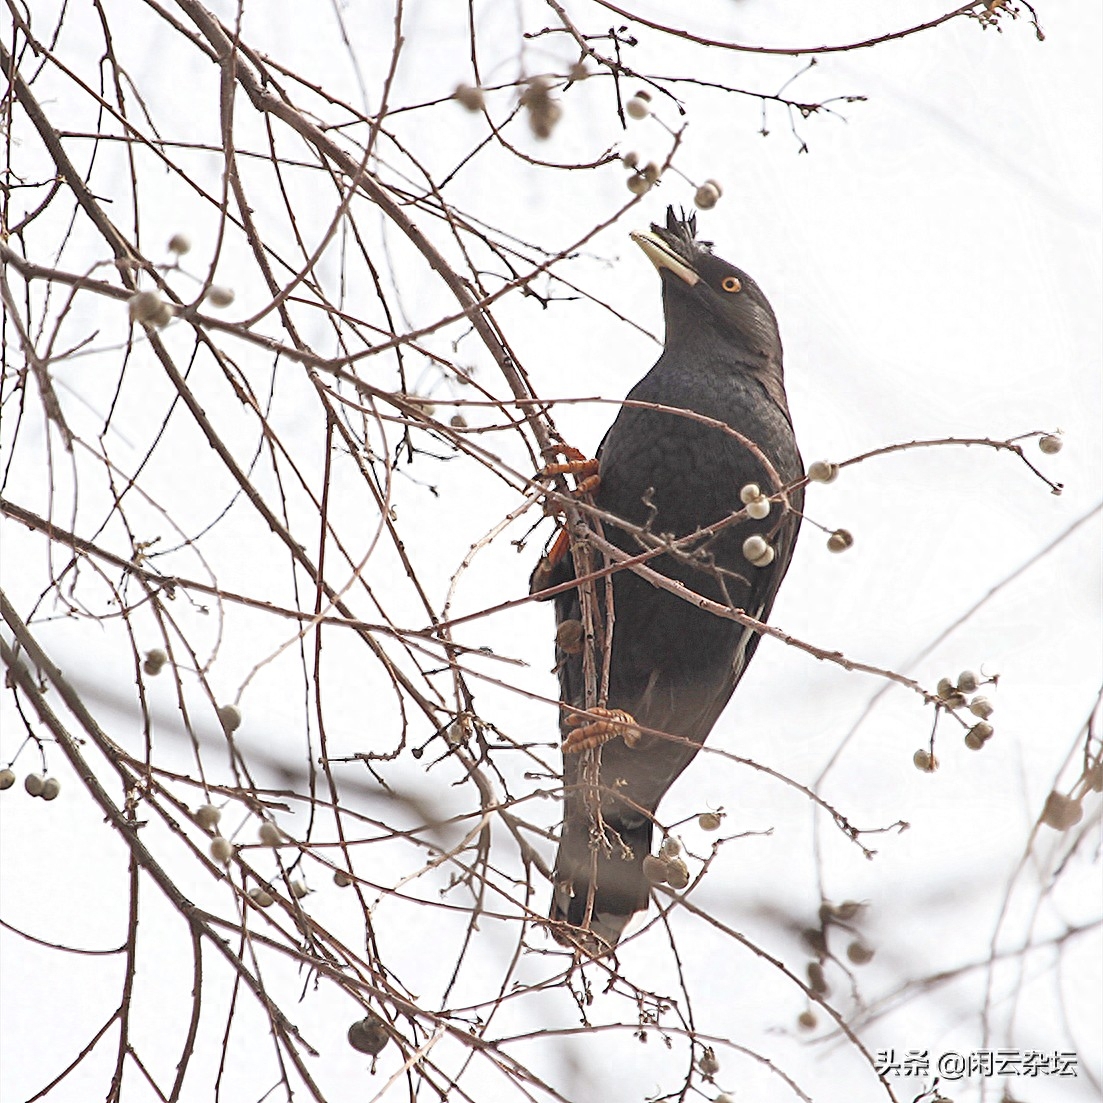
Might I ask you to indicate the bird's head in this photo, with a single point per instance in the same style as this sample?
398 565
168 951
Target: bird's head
703 293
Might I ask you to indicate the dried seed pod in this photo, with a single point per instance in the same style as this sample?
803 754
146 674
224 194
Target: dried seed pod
269 834
982 707
7 778
750 493
848 910
807 1020
155 661
1061 812
982 730
1050 444
150 309
341 879
458 732
759 509
816 980
208 816
544 112
458 421
707 1063
654 869
973 742
369 1034
578 70
709 821
298 889
677 873
34 784
638 184
707 195
945 688
50 788
859 953
570 636
925 761
179 244
261 897
670 848
470 97
631 159
814 939
967 682
651 172
840 540
1094 776
823 471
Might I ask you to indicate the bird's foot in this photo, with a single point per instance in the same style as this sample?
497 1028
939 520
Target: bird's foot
584 470
590 733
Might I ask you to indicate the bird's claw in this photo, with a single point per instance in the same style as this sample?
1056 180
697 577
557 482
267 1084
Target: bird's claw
584 470
590 733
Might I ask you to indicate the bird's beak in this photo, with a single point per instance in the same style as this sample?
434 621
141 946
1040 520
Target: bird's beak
662 256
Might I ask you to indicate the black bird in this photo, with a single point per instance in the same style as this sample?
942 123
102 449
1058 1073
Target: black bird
673 666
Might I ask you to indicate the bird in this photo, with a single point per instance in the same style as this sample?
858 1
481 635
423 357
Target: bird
704 432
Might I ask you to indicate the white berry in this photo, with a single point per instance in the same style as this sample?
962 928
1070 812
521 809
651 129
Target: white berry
469 97
208 816
34 784
823 472
269 834
707 195
230 718
50 788
757 551
1050 444
639 106
149 308
219 296
7 778
709 821
179 245
222 850
708 1064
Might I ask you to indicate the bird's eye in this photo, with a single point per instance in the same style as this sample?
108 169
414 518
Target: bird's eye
730 283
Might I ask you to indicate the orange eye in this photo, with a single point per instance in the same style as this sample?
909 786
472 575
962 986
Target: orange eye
730 283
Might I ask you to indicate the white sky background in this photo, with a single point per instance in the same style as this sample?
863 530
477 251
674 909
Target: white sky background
934 262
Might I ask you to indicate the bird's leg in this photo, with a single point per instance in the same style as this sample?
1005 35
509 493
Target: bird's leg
586 481
589 733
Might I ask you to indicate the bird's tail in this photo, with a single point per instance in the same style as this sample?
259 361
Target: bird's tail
599 881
